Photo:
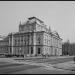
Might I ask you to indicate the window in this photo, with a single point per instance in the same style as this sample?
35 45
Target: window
10 50
31 50
39 51
39 39
45 41
25 42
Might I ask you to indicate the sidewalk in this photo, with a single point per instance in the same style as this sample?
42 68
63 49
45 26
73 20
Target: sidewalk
51 57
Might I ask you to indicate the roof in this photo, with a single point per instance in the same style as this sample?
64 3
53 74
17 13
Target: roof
36 19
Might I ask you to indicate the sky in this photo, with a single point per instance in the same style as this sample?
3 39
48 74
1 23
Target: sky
59 15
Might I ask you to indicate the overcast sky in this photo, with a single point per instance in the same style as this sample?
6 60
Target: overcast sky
59 15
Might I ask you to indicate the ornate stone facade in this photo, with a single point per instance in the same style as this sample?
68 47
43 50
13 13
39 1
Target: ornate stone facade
34 39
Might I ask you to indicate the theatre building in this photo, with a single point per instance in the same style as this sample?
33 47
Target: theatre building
34 39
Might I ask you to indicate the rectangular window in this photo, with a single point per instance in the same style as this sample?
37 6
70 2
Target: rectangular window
39 51
31 50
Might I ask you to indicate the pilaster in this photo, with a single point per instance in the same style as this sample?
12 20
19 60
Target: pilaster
34 43
12 43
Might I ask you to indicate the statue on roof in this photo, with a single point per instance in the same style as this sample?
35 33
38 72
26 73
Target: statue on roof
49 29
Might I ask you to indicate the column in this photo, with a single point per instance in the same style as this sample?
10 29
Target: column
9 45
51 45
12 43
34 43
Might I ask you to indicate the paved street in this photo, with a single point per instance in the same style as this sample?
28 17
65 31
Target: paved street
7 68
10 66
